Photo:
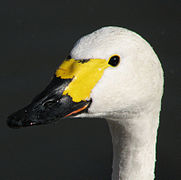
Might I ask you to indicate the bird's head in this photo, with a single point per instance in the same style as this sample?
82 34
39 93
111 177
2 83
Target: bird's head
107 71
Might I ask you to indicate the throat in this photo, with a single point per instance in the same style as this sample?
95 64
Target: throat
134 144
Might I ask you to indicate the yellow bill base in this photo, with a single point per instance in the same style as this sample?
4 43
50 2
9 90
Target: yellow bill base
85 74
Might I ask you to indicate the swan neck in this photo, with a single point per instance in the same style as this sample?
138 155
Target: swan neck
134 144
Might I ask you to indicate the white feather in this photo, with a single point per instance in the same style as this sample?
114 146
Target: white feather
128 96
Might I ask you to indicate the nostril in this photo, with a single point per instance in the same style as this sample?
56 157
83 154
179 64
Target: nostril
50 103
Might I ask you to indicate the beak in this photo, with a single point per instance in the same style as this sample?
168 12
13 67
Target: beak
68 94
48 106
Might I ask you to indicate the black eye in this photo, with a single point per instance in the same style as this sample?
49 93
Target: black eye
114 60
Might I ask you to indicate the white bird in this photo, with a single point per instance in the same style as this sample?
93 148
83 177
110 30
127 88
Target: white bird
112 73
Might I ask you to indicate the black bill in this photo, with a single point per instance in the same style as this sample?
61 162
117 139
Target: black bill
48 106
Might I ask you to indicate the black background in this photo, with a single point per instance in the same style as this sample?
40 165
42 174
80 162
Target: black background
35 37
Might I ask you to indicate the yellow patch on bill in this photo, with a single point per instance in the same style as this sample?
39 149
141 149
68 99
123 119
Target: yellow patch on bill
85 76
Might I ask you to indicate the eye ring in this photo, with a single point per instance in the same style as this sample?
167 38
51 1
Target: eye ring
114 60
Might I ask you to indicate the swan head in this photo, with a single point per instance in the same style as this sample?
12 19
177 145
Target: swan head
109 71
134 83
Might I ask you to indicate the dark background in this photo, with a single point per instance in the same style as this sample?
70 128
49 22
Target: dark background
35 37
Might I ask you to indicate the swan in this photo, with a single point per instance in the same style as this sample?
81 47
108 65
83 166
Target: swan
112 73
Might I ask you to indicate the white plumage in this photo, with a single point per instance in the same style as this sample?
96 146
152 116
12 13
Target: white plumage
128 97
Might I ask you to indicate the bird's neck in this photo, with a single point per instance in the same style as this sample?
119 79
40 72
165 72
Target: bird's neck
134 144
